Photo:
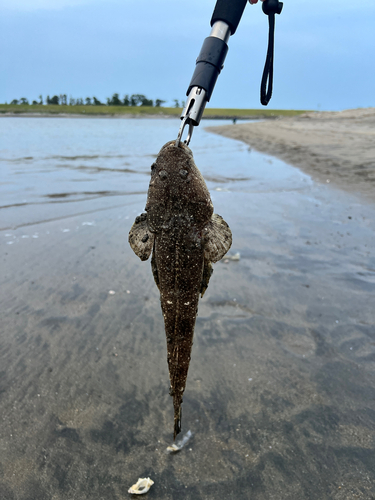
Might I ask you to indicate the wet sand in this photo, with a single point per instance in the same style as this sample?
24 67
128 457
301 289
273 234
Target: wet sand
280 395
336 147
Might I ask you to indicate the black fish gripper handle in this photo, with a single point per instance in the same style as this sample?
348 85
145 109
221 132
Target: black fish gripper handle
229 11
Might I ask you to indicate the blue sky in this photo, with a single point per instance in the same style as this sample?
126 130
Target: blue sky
323 54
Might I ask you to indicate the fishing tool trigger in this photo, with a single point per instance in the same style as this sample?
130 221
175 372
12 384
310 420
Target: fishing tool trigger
270 8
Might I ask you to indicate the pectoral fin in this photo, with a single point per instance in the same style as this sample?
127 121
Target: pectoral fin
217 239
207 273
155 270
141 239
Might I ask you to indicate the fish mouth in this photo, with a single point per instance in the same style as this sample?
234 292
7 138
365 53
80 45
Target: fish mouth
181 145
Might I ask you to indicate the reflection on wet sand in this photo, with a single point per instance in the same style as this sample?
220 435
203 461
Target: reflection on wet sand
280 395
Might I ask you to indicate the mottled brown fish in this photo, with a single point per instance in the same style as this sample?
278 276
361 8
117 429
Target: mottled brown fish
184 236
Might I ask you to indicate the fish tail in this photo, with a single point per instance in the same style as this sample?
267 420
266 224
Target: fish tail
177 421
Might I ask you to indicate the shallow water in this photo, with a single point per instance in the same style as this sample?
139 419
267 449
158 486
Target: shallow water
280 393
57 166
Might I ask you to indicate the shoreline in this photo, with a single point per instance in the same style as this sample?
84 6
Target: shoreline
130 116
7 110
83 115
331 147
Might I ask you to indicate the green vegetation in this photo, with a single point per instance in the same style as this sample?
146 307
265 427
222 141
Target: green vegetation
62 100
136 104
95 110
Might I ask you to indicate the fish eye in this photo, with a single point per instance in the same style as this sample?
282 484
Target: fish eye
153 166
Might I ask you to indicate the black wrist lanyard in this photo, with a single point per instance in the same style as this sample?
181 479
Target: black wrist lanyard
270 8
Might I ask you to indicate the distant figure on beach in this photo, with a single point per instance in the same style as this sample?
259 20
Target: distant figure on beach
234 121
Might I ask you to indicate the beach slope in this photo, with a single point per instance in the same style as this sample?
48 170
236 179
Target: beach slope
332 147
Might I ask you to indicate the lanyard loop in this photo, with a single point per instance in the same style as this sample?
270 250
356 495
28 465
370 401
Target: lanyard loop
270 8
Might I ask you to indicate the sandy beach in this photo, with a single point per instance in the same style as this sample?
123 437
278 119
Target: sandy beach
280 395
337 147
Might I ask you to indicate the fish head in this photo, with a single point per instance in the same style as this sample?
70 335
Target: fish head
177 189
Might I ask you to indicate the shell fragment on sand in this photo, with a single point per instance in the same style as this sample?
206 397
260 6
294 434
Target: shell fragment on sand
180 443
235 258
141 486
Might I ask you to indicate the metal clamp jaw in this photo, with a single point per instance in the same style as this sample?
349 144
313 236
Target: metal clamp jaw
192 112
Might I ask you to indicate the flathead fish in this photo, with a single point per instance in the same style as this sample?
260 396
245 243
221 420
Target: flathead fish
185 237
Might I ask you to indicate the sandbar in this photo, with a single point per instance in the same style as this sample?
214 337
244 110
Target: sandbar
332 147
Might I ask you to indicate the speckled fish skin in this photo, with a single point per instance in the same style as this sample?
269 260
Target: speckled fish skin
185 237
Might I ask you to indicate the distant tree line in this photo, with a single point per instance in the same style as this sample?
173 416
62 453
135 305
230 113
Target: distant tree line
115 100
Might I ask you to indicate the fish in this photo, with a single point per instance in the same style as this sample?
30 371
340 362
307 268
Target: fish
185 237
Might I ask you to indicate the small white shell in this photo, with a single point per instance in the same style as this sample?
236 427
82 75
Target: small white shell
180 444
173 448
141 486
235 257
